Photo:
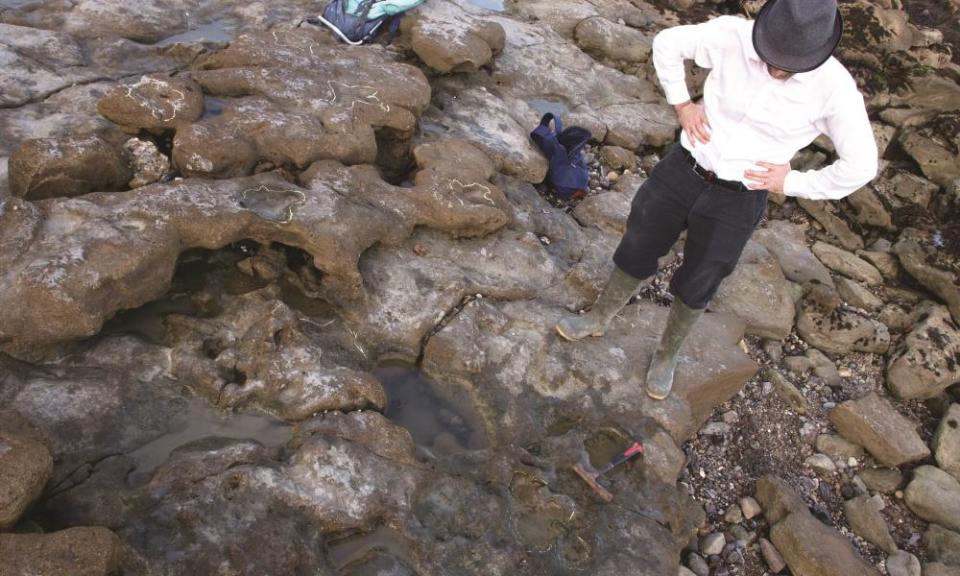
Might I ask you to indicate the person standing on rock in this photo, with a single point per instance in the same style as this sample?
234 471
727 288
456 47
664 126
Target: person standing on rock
773 87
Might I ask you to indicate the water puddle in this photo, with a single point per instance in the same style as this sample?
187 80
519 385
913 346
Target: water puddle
353 549
15 3
219 31
496 5
432 130
205 421
547 106
432 421
147 322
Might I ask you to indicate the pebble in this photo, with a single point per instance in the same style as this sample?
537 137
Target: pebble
712 544
731 417
821 464
771 556
698 565
750 507
733 515
715 429
902 563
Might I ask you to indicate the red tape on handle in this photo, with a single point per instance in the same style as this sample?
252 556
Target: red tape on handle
637 448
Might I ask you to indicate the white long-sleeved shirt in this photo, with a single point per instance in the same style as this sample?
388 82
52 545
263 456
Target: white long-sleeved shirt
755 117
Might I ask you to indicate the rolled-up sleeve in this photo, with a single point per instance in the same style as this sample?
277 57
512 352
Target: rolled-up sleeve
846 123
701 43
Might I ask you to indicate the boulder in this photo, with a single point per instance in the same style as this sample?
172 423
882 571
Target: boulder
928 359
498 127
617 158
870 209
25 467
149 164
863 513
942 545
787 242
902 563
449 39
873 423
916 260
938 163
607 211
614 41
946 442
72 552
826 324
938 569
838 448
155 103
882 480
886 263
858 295
847 264
150 22
37 63
758 293
778 499
908 188
934 496
823 212
48 168
772 556
810 548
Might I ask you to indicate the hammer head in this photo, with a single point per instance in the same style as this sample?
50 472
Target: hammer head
590 477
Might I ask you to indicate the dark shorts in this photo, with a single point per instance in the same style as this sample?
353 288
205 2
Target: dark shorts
718 220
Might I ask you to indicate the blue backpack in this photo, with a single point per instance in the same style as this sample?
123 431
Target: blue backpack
568 172
358 21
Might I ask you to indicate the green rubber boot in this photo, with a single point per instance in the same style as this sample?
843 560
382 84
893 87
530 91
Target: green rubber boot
664 363
618 291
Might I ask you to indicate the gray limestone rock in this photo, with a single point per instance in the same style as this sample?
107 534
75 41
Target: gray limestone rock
847 263
811 548
858 295
943 545
823 212
863 513
824 323
76 551
611 40
874 423
48 168
787 242
758 293
25 467
928 359
902 563
934 496
946 442
882 480
915 260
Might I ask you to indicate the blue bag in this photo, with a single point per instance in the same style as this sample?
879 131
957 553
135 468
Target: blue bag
568 172
358 21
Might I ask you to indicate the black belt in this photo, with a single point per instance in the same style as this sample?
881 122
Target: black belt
711 176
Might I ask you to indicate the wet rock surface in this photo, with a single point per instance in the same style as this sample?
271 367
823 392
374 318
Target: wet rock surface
291 310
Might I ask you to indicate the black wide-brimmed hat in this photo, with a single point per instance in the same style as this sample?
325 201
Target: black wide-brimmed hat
797 35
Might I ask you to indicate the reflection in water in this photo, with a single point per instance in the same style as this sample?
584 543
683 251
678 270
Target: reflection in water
544 106
356 548
432 422
489 4
217 31
204 421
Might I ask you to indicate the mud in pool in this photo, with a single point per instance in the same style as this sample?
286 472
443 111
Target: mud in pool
204 422
433 422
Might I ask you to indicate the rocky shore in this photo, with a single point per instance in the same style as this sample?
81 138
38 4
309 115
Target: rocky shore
270 304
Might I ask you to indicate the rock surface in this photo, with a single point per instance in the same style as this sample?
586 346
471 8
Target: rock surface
934 496
25 467
874 423
928 359
946 442
47 168
74 552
